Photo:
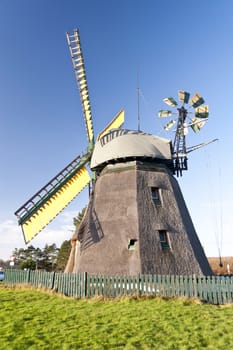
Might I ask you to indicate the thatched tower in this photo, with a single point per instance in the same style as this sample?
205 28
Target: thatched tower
136 220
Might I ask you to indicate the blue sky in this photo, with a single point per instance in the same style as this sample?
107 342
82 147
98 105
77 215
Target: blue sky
172 44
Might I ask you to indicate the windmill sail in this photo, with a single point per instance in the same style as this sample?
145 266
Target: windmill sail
201 115
183 96
47 203
196 100
117 122
79 68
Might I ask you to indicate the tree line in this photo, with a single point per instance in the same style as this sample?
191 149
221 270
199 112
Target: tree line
50 258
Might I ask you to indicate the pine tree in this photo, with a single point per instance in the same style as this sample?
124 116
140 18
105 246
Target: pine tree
77 220
63 255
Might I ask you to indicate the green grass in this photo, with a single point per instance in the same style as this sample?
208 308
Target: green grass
33 319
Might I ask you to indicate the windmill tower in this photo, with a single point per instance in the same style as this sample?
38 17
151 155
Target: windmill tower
136 220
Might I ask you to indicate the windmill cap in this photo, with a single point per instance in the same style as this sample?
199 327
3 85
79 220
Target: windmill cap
125 144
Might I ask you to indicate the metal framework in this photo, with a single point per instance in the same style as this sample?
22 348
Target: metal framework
196 122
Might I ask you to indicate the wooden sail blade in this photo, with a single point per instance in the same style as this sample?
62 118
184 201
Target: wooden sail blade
42 208
170 101
79 68
55 204
183 96
202 112
196 124
169 125
164 113
196 101
116 123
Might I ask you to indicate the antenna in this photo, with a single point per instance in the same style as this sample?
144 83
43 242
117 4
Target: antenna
138 96
197 120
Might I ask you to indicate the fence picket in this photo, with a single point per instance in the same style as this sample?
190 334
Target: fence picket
230 289
210 289
223 290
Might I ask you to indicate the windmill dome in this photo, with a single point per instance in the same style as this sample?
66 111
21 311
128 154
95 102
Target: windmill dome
123 144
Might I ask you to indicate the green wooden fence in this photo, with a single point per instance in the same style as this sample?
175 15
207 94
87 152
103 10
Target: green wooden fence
211 289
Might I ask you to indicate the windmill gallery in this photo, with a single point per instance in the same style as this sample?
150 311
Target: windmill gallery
136 220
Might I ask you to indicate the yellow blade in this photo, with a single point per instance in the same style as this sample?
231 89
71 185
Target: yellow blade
55 204
79 67
117 122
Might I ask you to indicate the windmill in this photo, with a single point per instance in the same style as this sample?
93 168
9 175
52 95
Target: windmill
194 119
51 199
136 220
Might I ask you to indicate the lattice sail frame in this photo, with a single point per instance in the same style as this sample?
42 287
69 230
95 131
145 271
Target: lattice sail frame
74 44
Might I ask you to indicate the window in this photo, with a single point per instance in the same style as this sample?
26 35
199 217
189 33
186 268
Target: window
155 195
163 238
132 244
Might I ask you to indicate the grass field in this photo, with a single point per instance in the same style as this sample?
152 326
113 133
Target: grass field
33 319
